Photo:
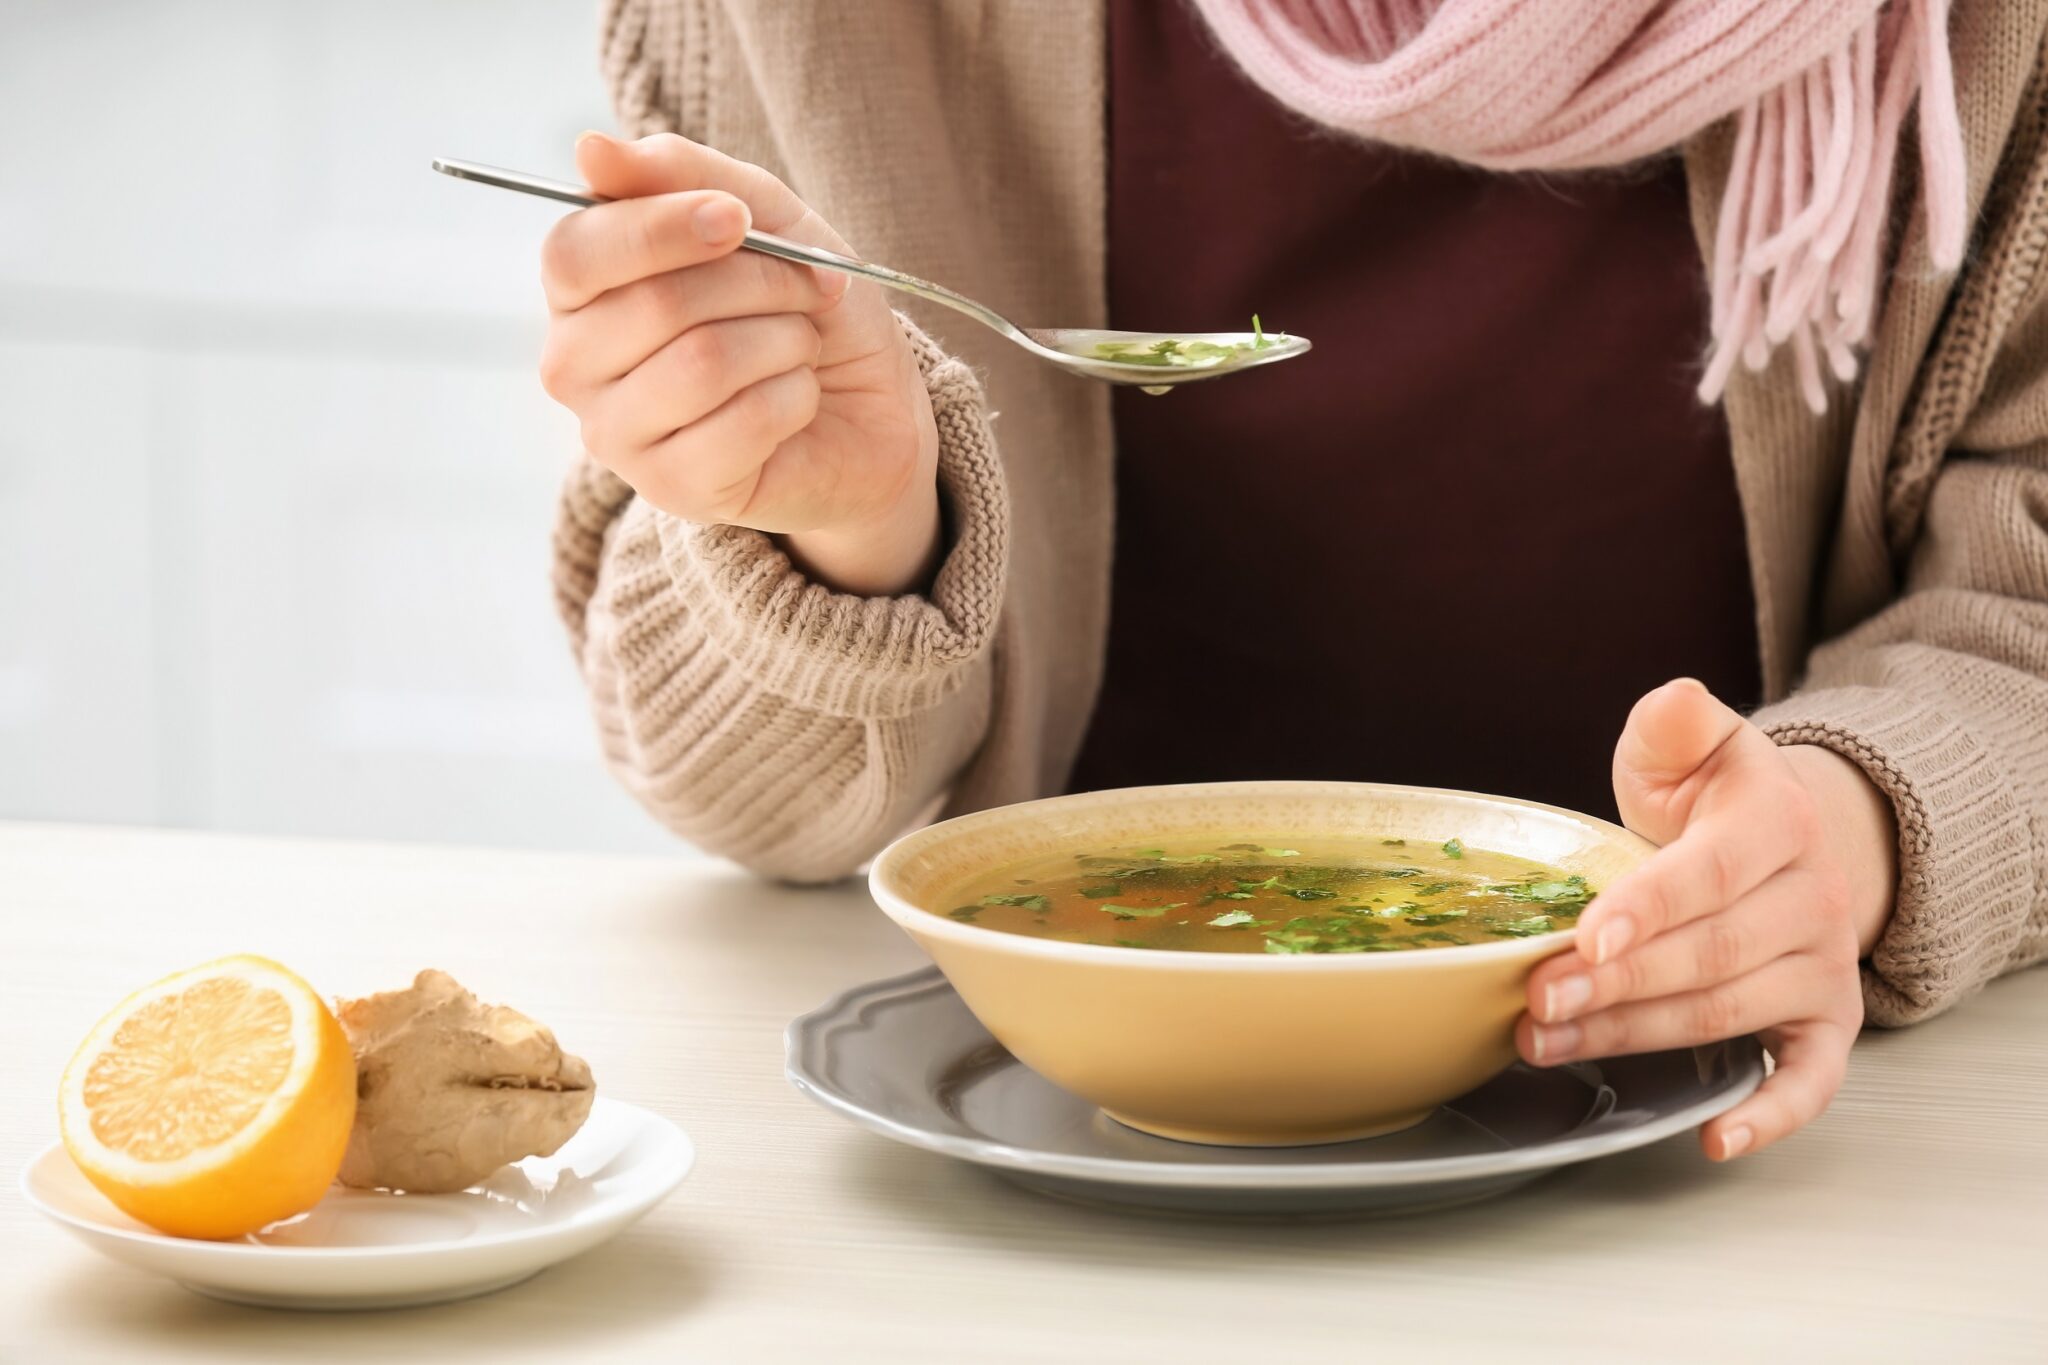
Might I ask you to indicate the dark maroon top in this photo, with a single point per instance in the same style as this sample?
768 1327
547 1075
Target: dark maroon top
1456 541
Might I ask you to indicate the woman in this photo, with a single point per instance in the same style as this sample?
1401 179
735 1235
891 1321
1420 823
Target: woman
829 573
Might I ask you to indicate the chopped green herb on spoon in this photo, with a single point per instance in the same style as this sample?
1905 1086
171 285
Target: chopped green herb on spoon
1177 353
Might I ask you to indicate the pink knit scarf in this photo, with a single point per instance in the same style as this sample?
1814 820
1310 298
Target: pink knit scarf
1820 89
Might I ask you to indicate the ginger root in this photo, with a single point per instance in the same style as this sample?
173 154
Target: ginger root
449 1089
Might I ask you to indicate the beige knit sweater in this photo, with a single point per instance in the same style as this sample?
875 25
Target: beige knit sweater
1899 546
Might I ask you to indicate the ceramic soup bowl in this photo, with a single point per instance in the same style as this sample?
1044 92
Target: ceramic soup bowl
1243 1049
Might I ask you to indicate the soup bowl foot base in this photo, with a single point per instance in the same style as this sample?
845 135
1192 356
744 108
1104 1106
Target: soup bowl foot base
1315 1137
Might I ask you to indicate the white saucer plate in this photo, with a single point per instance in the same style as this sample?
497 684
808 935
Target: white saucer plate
371 1249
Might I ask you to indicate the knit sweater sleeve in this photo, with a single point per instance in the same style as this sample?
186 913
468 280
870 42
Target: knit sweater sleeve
759 714
1942 699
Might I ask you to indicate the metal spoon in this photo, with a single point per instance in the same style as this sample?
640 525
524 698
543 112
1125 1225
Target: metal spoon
1086 351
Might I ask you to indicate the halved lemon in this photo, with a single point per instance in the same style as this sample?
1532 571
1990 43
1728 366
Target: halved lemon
213 1102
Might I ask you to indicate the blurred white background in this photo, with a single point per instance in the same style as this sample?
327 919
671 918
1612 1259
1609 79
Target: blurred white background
275 474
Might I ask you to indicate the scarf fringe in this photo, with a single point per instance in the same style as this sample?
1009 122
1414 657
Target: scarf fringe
1799 246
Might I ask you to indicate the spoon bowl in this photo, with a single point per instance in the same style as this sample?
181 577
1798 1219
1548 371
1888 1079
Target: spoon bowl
1176 357
1090 351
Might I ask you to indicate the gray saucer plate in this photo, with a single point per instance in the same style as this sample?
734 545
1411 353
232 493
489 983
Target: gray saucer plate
906 1058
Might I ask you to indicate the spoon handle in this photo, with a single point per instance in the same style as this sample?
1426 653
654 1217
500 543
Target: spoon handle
764 242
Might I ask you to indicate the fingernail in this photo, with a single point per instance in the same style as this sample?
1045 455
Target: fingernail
1735 1142
588 133
1567 996
721 220
831 283
1554 1042
1613 937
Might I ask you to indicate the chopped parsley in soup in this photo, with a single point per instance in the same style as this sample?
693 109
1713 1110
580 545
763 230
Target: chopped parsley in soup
1380 895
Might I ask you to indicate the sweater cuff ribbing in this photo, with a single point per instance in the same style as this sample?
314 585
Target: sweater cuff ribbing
1966 881
867 658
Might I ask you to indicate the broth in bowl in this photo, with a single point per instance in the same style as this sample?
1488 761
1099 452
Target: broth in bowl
1233 895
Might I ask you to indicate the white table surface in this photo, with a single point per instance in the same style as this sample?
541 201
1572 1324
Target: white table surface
1911 1223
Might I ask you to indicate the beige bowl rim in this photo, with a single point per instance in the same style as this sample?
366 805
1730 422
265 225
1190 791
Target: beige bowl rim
933 925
